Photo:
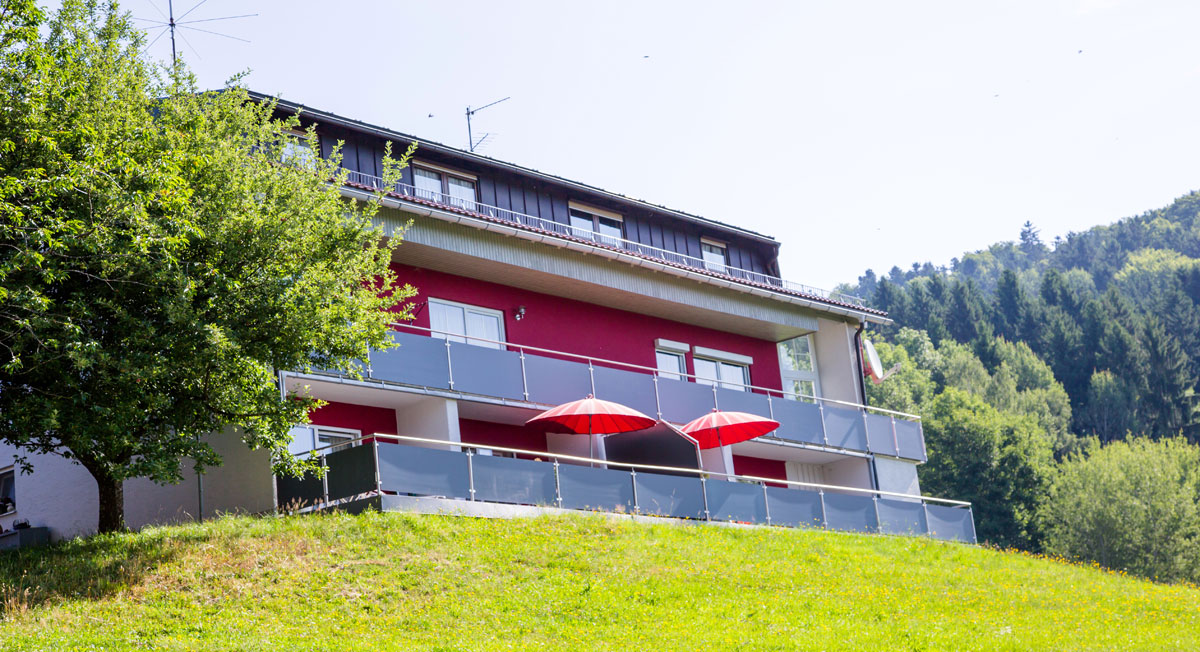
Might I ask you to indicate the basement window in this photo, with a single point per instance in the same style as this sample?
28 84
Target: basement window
8 493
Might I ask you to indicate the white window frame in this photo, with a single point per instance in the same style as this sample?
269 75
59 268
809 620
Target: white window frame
350 434
468 308
11 469
786 376
596 214
444 175
673 375
296 147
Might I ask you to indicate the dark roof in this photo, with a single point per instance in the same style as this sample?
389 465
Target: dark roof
349 123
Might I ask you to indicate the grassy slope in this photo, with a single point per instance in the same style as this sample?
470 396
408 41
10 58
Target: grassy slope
392 582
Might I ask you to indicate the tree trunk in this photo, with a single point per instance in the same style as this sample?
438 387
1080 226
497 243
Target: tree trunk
112 504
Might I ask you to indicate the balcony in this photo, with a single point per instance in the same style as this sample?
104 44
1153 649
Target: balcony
389 469
567 232
533 377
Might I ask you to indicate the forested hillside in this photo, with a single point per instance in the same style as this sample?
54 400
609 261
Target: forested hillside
1057 384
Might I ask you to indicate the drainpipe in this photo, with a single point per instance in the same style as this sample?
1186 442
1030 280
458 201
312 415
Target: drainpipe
862 390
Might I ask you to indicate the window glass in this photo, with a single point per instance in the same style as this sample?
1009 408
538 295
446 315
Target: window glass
484 325
582 225
670 364
610 231
714 257
796 354
706 371
297 152
447 318
428 183
8 494
734 376
326 437
462 192
803 390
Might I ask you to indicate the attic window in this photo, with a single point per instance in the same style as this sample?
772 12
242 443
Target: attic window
716 257
596 224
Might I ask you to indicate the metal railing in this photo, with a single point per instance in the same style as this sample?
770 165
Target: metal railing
381 485
594 238
653 371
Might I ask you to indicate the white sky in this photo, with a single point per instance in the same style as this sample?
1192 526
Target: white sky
859 134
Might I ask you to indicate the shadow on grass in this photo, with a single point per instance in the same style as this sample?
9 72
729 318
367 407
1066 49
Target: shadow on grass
88 568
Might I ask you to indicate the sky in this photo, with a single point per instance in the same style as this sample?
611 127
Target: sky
859 134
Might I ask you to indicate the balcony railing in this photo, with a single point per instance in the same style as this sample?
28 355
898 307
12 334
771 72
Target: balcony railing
543 377
378 467
544 225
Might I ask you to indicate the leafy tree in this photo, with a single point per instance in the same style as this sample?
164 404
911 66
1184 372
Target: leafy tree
999 462
1131 506
163 257
1110 410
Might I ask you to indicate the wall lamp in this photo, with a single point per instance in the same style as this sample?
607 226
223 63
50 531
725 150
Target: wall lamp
519 313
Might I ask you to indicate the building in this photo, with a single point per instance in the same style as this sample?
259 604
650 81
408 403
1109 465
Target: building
535 290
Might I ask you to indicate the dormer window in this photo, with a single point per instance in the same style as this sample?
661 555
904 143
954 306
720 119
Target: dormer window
444 186
596 224
296 149
716 258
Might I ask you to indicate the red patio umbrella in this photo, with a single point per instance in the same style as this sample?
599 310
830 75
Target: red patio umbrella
592 416
718 428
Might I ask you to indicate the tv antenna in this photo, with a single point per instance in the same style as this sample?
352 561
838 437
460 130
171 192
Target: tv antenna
471 142
170 24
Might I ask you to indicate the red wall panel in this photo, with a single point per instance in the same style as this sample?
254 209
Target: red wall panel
571 326
761 468
360 417
501 434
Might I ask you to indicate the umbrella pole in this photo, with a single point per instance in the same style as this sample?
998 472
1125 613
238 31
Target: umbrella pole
591 443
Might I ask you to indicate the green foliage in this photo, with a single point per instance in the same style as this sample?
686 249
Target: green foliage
410 582
166 252
1133 506
998 462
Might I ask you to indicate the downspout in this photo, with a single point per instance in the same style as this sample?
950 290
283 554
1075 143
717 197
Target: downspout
862 390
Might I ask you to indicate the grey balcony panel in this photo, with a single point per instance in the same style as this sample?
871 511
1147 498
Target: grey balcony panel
683 401
555 382
798 421
351 471
583 487
880 434
485 371
298 492
669 495
633 389
901 517
845 428
423 471
911 438
848 512
508 480
794 507
419 360
950 523
731 400
736 501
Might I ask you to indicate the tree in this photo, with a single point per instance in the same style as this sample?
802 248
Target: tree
999 462
165 253
1130 505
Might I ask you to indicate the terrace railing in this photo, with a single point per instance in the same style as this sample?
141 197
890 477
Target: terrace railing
447 362
729 272
376 466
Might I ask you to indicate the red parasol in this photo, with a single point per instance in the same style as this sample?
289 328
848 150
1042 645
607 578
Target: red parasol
718 428
592 416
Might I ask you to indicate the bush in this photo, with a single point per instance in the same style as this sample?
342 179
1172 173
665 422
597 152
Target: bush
1130 505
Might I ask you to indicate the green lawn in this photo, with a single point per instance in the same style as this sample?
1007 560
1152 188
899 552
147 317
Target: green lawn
397 582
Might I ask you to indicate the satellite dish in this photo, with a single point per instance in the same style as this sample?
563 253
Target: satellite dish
871 364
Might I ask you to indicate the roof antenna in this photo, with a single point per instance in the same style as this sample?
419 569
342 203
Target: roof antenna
471 142
170 25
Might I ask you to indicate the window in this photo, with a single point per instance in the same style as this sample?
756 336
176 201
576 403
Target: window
444 186
596 224
798 368
723 374
459 322
296 149
670 364
328 435
716 259
8 493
